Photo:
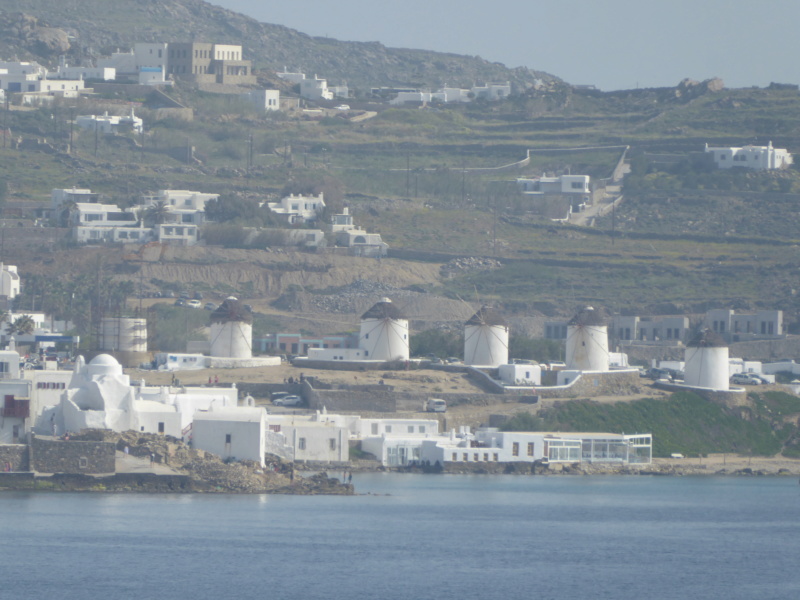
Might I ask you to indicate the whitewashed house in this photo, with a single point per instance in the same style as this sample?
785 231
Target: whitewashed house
9 281
96 222
231 433
298 209
314 438
264 100
750 157
108 124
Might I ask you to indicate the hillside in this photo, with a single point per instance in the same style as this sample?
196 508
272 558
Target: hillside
85 29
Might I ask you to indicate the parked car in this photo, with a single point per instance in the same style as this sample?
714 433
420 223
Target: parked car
194 304
290 400
343 107
180 302
198 295
210 306
745 379
185 295
656 374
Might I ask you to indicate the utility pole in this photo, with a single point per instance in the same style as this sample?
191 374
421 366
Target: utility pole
71 127
5 123
408 174
96 133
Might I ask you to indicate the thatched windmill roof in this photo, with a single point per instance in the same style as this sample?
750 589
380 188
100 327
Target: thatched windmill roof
385 309
231 311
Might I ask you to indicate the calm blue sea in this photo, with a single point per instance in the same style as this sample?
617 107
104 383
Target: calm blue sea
415 537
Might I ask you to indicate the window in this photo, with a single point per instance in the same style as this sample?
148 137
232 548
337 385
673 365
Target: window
301 444
496 457
577 185
515 449
410 429
388 429
530 448
475 457
161 427
455 456
227 438
332 442
374 429
422 428
485 457
466 457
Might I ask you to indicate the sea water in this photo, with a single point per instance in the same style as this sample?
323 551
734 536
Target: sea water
414 537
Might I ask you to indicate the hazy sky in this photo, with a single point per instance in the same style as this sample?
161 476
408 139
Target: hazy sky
613 44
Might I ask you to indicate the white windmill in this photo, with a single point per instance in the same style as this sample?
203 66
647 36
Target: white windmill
587 341
384 332
486 339
232 330
706 360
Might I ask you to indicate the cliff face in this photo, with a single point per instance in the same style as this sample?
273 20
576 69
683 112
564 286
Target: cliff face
83 29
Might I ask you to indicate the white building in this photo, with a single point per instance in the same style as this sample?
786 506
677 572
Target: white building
124 63
350 236
298 209
520 374
96 222
490 445
491 92
100 396
9 281
150 54
485 339
108 124
750 157
315 89
707 362
314 438
231 433
295 78
563 184
266 100
587 342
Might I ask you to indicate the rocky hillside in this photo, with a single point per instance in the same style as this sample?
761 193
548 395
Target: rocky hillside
84 29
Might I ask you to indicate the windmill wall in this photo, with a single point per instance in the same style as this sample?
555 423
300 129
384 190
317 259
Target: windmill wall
707 367
486 345
231 339
587 348
384 339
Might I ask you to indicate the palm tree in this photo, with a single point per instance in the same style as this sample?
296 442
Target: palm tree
157 213
21 326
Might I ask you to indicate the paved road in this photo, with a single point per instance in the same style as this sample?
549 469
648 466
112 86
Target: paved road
134 464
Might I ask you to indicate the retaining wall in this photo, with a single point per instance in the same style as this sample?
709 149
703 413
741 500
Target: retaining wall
16 455
57 456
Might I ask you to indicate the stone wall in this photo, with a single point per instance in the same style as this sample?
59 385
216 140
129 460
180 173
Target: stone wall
612 383
16 455
56 456
729 399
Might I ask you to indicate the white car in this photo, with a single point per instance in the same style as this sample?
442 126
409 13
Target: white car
343 107
288 401
194 304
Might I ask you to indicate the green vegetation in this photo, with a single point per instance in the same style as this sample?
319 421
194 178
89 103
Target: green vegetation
172 327
441 343
684 423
